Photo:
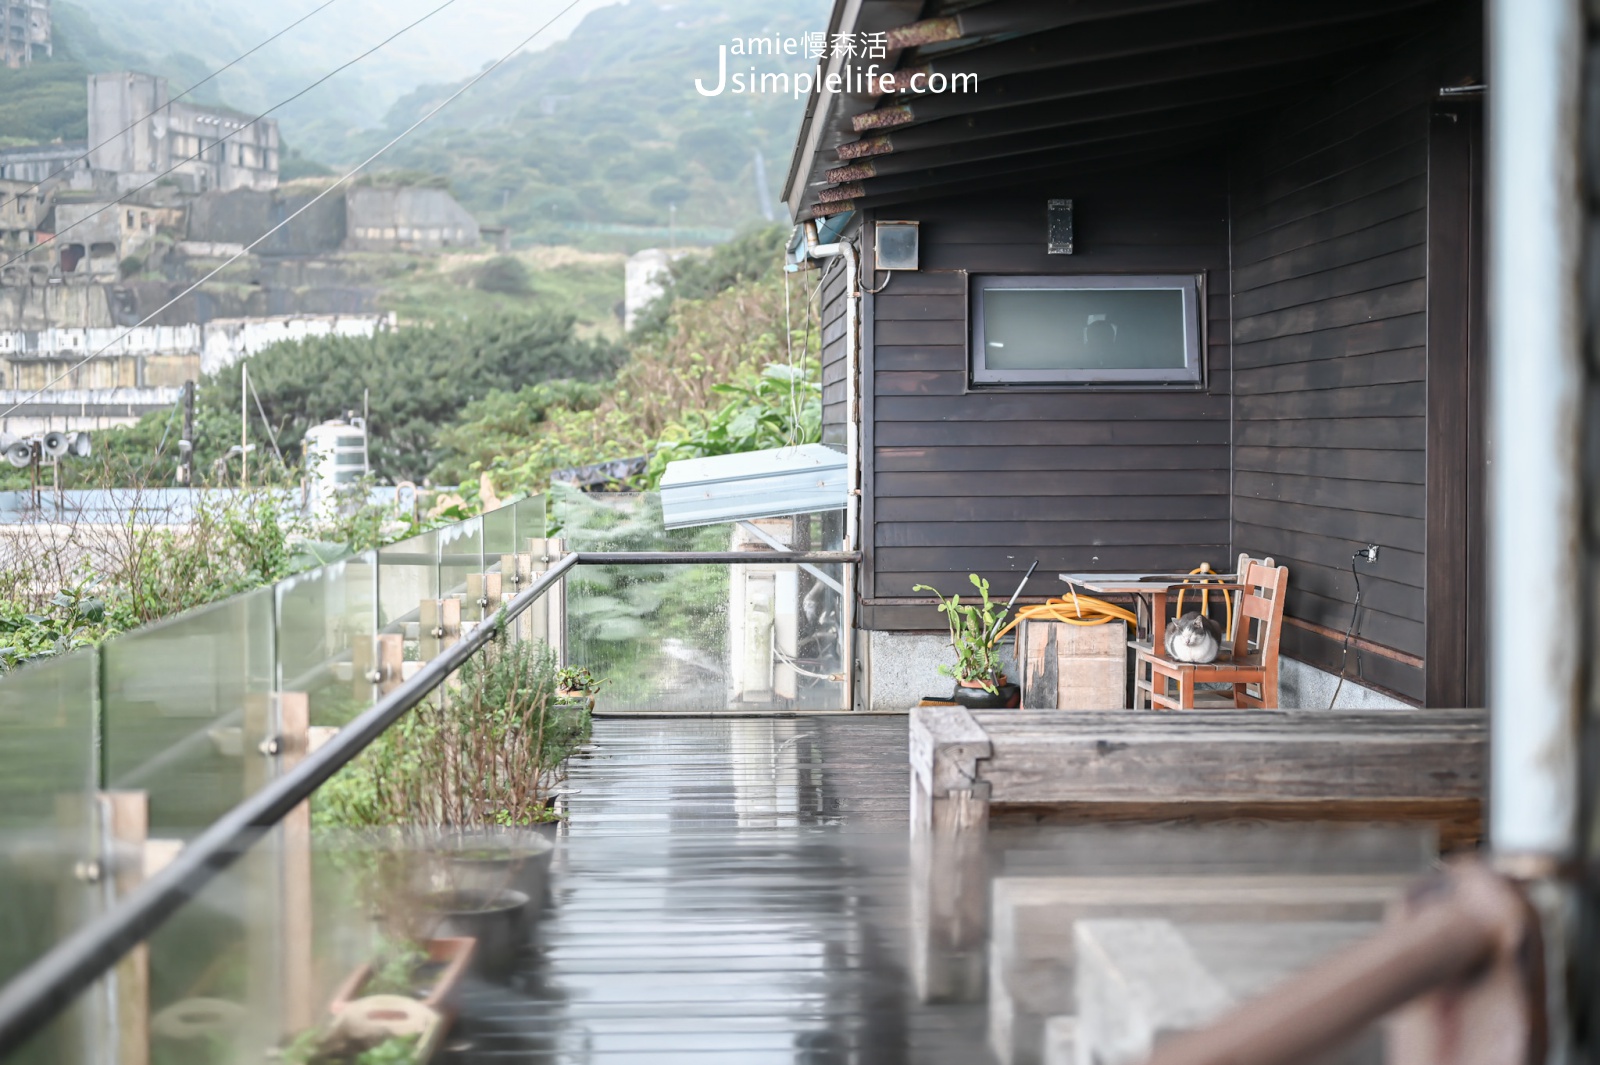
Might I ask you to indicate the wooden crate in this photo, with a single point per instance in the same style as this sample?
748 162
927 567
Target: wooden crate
1073 667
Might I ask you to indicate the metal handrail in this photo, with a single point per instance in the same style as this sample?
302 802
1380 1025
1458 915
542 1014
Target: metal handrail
52 982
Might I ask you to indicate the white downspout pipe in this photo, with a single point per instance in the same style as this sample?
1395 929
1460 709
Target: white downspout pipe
1535 396
852 440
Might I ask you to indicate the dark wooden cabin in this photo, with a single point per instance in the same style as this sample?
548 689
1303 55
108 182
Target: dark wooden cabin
1316 167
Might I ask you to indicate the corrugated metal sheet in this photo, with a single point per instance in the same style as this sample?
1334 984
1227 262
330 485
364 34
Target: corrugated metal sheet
755 484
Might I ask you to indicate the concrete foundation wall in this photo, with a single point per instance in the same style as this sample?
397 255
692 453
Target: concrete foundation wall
1308 688
903 667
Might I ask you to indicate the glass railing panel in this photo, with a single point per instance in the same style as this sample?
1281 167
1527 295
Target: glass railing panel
257 960
461 567
326 620
499 536
702 637
48 776
187 708
408 582
530 517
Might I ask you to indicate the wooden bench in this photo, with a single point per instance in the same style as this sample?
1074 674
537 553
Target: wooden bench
1393 767
1380 766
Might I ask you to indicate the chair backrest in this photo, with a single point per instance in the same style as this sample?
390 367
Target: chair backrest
1261 601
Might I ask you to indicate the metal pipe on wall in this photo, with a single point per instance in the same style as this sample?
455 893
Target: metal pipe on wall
1535 433
852 444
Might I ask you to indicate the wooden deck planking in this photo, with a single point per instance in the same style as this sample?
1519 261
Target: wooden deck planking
727 890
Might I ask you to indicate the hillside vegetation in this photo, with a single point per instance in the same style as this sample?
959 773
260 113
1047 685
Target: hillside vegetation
718 367
606 127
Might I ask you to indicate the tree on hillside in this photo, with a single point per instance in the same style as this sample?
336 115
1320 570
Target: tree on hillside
420 379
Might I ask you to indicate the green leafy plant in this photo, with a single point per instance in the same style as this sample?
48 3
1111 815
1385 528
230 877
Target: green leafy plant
486 753
578 679
71 618
319 1046
782 405
973 635
394 968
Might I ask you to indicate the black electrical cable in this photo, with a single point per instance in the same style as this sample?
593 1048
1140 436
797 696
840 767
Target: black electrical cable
1344 653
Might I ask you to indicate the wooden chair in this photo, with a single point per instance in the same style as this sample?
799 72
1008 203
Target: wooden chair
1253 667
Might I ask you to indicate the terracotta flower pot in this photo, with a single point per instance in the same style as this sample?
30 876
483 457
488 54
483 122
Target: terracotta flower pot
448 959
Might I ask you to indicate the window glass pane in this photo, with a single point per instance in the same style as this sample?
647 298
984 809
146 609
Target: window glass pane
1083 329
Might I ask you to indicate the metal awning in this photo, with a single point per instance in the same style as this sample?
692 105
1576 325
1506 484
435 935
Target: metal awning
754 484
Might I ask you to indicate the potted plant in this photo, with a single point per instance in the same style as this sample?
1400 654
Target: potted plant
975 636
376 1030
577 684
428 971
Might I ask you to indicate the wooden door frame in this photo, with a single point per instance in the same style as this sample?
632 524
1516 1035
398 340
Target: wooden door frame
1454 570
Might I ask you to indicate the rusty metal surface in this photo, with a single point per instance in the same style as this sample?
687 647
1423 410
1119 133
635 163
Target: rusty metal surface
1463 951
884 118
928 31
840 192
828 210
866 146
853 172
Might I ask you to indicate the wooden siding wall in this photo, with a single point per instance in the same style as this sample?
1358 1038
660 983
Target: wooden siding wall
831 302
1330 300
962 480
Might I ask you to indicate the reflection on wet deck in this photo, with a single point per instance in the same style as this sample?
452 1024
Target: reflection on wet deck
742 890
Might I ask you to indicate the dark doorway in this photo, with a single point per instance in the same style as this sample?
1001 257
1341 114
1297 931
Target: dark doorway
1456 409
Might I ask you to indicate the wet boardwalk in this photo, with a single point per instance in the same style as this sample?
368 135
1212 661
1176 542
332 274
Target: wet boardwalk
727 890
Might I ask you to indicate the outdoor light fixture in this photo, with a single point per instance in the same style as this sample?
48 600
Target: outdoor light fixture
1058 236
896 245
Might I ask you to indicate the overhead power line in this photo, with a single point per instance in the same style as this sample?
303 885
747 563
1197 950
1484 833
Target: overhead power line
302 209
230 134
237 60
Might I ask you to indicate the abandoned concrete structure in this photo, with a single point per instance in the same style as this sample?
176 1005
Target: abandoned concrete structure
24 32
209 147
33 163
22 209
384 219
137 370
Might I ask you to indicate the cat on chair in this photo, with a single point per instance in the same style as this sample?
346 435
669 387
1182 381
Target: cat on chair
1194 639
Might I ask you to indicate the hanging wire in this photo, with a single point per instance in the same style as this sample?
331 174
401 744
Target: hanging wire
229 136
162 446
402 135
271 435
174 99
1344 652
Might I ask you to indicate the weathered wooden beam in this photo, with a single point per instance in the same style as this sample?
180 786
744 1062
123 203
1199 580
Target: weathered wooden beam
1155 119
1172 760
1296 49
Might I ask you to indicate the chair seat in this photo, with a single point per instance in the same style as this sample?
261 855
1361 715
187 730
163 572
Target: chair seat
1255 662
1249 664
